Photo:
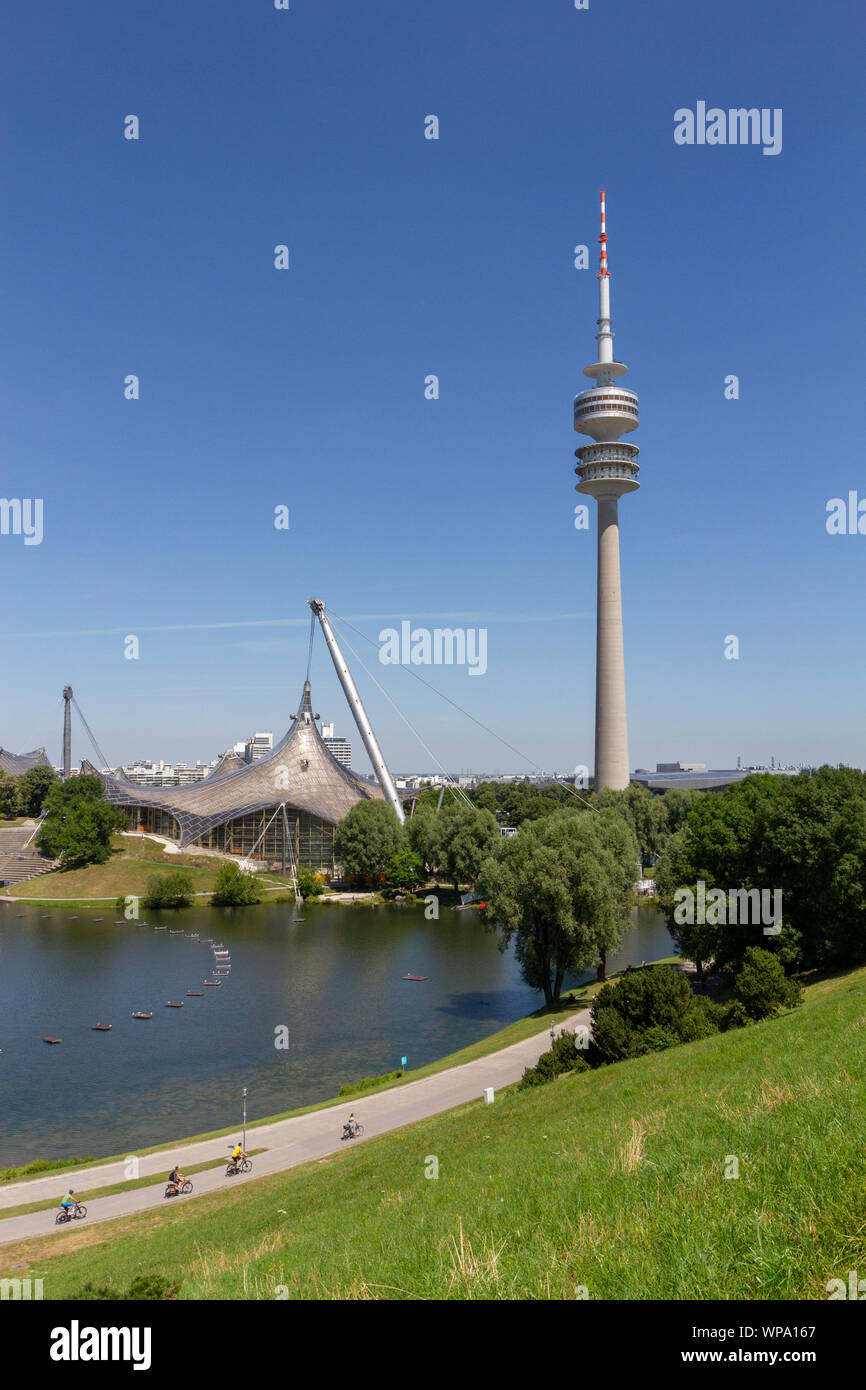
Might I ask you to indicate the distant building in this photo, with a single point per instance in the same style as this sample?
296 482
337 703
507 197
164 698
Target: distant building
146 773
339 748
258 746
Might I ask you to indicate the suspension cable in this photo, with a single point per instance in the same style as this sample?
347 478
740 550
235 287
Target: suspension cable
103 761
558 780
457 790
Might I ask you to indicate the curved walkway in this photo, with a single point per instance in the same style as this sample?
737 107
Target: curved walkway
287 1142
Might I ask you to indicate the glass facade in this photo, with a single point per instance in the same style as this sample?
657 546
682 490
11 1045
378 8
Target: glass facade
312 839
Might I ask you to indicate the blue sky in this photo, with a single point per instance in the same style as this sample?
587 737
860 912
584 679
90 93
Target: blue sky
409 257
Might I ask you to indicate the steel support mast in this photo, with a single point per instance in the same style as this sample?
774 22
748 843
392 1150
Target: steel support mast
350 690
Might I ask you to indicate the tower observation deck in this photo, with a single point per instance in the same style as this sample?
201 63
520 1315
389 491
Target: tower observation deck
607 470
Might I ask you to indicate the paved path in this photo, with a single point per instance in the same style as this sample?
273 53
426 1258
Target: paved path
288 1142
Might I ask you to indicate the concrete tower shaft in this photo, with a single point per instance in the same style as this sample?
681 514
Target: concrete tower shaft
607 470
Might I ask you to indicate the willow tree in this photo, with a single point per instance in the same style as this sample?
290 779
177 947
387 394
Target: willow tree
561 890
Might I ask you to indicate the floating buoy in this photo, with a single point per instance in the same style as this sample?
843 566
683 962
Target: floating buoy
101 1028
52 1040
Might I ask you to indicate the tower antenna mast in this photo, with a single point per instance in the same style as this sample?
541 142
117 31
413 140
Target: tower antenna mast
607 469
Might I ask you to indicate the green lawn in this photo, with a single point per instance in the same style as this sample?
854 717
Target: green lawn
127 871
611 1181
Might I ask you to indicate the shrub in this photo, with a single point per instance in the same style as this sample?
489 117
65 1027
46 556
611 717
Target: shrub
647 1010
309 884
761 986
169 890
234 888
563 1056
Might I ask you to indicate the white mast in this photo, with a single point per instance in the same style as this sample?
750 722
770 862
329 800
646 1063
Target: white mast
368 738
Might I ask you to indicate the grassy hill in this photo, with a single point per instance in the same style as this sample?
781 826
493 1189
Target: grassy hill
612 1181
132 862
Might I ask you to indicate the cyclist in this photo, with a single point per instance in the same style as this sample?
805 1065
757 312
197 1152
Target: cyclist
69 1201
237 1154
176 1178
350 1128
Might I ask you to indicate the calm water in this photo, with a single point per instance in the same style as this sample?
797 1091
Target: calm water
333 981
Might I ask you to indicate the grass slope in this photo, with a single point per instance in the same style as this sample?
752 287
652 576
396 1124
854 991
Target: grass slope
132 862
611 1181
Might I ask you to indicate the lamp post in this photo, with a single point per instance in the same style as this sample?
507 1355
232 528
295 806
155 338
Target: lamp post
245 1120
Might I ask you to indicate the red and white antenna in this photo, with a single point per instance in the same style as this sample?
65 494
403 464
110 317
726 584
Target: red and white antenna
603 241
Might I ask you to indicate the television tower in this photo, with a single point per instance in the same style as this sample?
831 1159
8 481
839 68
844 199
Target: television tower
607 469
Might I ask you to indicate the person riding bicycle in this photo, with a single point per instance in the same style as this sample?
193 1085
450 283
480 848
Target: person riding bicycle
176 1178
69 1201
350 1128
237 1154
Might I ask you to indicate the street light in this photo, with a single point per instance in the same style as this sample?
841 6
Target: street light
245 1120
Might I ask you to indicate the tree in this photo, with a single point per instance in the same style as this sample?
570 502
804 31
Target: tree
405 869
561 889
803 837
233 888
468 836
169 890
367 838
762 987
34 786
423 835
78 823
695 941
10 797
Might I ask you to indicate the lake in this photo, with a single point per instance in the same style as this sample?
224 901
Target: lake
333 981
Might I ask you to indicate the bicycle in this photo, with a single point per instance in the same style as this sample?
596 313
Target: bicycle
64 1216
243 1165
174 1189
356 1133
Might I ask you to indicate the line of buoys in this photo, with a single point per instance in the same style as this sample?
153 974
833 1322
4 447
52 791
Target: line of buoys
222 964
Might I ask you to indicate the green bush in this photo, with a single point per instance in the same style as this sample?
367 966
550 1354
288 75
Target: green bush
761 986
168 890
647 1010
309 885
563 1056
235 889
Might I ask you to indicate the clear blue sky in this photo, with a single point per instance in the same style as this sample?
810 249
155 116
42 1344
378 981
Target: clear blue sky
411 257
